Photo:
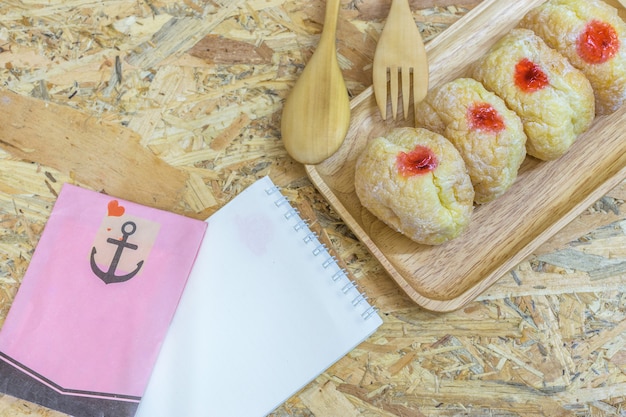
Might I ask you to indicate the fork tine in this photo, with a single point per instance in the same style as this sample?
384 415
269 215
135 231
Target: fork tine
406 89
380 90
393 89
420 89
417 95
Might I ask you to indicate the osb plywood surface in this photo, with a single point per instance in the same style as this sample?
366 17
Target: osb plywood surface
200 85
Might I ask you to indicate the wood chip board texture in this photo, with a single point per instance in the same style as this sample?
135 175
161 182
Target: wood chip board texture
200 84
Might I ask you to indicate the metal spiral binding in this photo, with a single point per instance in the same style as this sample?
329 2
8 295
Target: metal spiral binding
339 274
290 213
320 248
300 225
359 299
348 287
310 237
271 190
282 200
369 312
328 262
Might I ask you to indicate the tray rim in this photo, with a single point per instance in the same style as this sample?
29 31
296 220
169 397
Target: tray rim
472 292
500 270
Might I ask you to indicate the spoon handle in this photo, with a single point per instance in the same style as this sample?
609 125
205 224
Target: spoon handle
330 20
402 5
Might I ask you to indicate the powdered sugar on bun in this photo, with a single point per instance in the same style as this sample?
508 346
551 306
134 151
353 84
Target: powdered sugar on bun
489 136
592 36
416 182
554 100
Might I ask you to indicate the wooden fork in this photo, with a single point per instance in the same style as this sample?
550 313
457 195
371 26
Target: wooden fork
400 53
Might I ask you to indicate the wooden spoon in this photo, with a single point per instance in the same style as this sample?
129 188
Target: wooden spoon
316 114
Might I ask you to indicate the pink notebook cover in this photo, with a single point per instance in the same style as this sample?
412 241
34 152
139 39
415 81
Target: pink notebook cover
87 323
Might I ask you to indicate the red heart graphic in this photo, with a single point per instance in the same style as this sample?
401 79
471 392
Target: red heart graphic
115 209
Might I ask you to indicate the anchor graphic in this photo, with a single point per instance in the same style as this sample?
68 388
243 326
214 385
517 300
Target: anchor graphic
109 276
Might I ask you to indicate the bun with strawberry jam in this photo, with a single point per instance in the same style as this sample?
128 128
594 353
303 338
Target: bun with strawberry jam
489 136
554 100
416 182
591 35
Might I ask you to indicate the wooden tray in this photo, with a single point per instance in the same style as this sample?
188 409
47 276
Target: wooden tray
545 197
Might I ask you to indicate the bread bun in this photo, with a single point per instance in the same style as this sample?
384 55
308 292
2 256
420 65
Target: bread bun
489 136
554 100
592 36
416 182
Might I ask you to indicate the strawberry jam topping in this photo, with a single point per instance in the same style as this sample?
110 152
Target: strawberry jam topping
419 161
482 116
529 77
598 42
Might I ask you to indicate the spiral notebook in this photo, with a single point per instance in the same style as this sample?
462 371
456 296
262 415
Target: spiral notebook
266 310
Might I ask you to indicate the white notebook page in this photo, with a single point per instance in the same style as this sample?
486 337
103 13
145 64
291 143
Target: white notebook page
265 311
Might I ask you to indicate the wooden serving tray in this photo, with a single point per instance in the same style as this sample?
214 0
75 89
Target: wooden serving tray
545 197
